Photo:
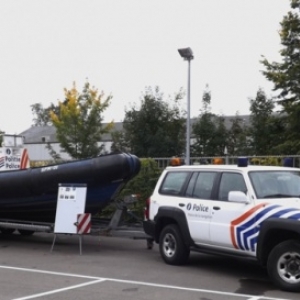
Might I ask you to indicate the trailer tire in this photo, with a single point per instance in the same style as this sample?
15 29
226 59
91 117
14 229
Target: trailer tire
25 232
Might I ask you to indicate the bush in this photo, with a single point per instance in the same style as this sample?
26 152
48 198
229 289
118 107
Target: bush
141 185
267 161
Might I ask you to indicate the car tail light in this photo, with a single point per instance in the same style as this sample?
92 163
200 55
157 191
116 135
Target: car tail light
146 209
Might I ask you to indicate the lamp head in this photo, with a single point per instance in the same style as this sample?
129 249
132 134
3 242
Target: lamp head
186 53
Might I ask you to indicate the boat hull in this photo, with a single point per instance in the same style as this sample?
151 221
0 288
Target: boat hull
31 194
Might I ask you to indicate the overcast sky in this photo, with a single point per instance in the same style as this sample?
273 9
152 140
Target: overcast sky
123 46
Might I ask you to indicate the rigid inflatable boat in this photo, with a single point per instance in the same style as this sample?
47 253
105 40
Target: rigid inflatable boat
31 194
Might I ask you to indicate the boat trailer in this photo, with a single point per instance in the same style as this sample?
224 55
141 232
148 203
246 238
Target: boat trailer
123 223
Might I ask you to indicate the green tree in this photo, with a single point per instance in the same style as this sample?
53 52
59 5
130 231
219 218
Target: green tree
119 144
221 136
286 77
260 119
237 143
42 115
79 122
157 128
277 138
205 129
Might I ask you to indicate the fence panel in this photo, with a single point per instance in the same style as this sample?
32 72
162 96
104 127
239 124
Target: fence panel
276 160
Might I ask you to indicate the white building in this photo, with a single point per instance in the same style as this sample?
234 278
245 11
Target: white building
36 139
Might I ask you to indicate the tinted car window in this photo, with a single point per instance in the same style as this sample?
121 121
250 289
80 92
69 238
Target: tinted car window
231 182
173 183
200 185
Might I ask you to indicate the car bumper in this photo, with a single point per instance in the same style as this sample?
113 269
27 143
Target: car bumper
149 228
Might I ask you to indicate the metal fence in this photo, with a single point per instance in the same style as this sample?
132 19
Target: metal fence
294 160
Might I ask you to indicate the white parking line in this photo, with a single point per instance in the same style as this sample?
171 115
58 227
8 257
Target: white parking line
59 290
49 272
101 279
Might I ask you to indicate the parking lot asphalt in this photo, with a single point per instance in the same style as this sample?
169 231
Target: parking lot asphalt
121 268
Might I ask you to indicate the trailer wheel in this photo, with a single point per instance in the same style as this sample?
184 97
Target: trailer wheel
7 231
25 232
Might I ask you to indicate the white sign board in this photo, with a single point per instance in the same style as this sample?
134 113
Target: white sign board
13 159
70 202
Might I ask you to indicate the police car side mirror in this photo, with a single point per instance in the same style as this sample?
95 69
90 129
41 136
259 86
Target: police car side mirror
237 196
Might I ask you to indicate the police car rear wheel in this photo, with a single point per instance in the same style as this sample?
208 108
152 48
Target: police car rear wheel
284 265
171 246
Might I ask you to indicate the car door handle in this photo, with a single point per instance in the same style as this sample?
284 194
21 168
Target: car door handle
216 207
181 204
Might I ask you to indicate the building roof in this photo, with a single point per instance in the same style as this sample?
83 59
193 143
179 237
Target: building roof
42 134
39 134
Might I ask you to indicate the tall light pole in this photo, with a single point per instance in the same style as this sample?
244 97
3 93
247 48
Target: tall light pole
187 54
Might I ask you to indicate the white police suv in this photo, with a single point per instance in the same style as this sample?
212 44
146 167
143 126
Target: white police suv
242 210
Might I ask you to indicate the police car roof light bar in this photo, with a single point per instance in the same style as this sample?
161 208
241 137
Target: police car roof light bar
288 162
242 162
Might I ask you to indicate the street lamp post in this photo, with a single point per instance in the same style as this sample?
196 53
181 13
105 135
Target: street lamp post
187 54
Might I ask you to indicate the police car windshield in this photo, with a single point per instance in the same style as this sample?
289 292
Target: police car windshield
275 184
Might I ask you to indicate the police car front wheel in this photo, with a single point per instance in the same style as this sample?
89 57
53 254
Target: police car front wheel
172 247
284 265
